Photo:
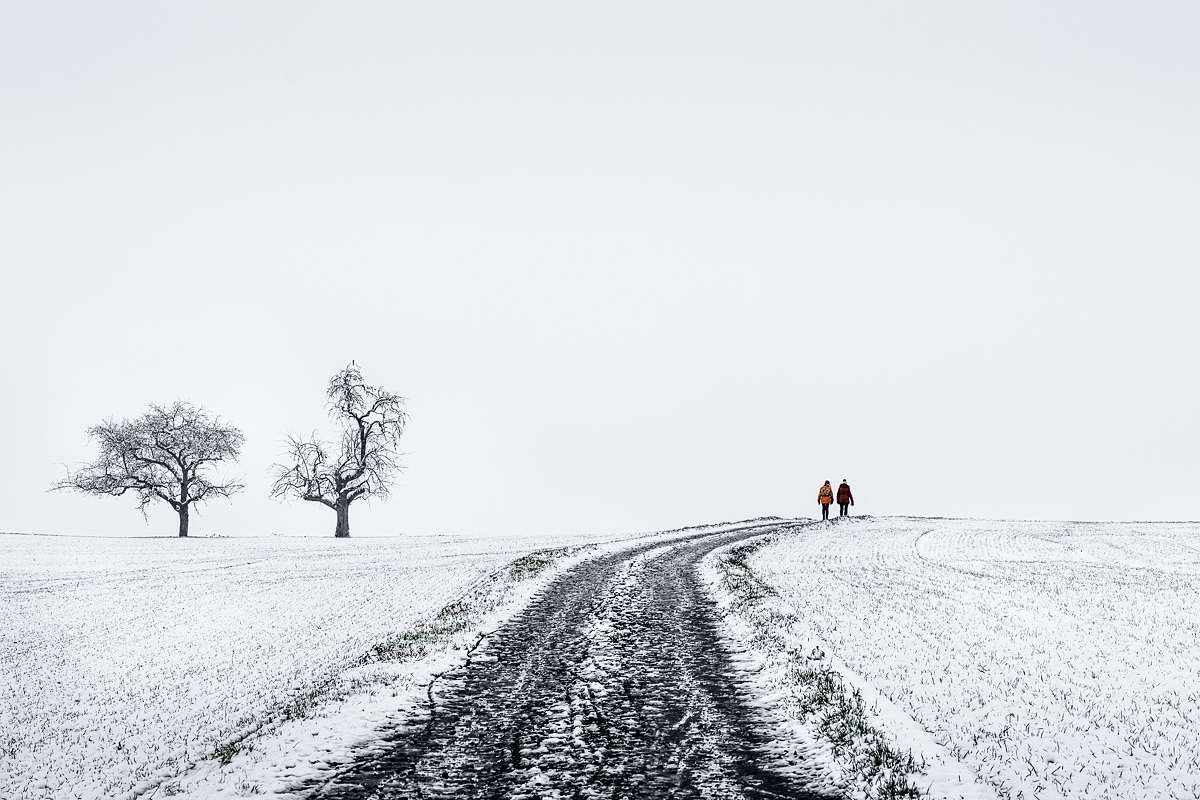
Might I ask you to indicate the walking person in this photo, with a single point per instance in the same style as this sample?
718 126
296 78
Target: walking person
845 499
825 498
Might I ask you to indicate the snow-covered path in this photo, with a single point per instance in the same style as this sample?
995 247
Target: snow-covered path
612 683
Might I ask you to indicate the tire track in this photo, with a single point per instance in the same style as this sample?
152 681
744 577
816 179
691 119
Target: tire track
612 684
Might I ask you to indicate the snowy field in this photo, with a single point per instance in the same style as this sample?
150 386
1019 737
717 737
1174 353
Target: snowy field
125 662
1052 659
1018 660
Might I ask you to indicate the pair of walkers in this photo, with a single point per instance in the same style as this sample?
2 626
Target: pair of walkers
844 499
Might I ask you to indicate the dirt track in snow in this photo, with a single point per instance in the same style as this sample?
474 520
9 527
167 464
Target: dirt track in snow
611 684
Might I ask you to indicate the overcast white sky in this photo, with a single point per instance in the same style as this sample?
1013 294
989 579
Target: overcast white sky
635 265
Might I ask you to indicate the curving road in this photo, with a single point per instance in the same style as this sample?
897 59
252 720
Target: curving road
611 684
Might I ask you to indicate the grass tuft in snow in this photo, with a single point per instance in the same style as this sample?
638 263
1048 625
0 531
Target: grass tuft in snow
842 720
739 580
226 751
416 642
878 770
530 565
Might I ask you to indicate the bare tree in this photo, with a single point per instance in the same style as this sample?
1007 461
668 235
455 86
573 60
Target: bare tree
363 464
165 454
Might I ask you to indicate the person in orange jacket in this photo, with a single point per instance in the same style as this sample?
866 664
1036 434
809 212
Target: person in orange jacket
825 498
845 499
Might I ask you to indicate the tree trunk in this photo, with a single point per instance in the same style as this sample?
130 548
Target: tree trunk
342 507
183 520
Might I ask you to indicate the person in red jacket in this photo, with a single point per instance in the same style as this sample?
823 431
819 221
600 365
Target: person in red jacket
825 498
845 499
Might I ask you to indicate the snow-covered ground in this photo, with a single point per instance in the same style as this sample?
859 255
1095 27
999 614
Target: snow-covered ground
224 667
124 662
1050 659
1017 659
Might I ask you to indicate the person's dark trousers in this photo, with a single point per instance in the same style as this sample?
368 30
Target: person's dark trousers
843 509
824 510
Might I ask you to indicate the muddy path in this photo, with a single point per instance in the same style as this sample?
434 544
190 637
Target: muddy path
611 684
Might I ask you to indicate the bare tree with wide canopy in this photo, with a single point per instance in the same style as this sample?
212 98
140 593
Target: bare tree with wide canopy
164 455
365 461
